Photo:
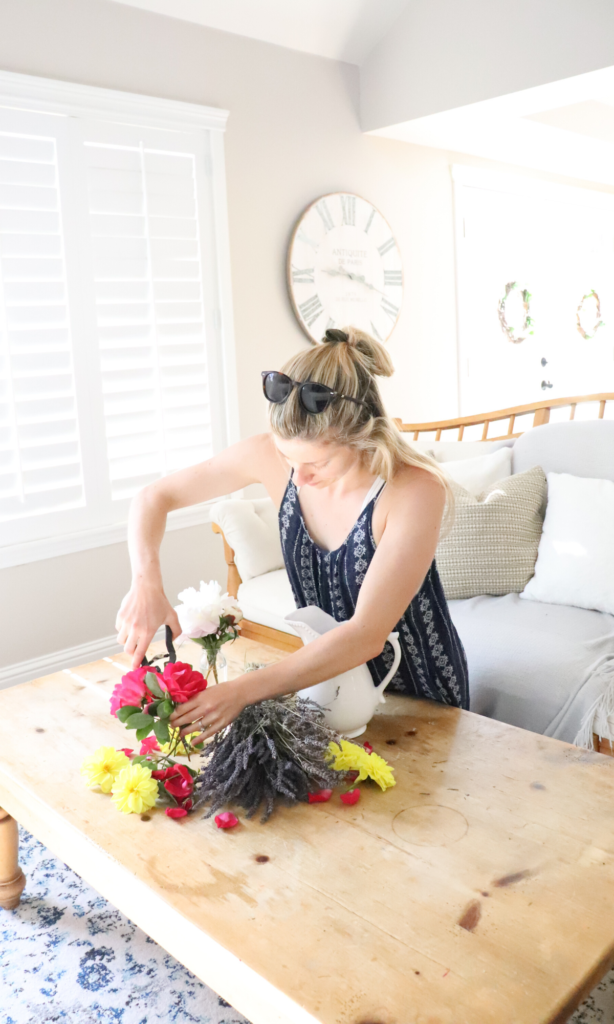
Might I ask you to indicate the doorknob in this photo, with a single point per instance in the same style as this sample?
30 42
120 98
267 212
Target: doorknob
546 384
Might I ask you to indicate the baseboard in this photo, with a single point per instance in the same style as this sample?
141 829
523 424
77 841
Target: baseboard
34 668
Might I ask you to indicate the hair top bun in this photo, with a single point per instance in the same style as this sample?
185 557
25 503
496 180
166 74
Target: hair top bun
335 337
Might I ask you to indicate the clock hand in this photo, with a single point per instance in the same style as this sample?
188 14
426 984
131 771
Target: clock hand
340 272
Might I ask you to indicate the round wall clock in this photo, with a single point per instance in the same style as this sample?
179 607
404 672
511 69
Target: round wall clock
344 268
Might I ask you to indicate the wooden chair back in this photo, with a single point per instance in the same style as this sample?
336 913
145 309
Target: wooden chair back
487 420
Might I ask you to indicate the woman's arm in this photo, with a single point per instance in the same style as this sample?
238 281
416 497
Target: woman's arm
396 573
146 607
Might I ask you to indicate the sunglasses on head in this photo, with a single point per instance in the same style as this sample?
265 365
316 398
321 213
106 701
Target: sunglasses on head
313 397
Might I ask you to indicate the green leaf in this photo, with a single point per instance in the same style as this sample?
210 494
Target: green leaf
152 710
162 732
165 708
141 759
124 713
145 731
151 680
139 721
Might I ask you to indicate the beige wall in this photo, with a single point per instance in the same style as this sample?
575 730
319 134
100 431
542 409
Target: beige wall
293 134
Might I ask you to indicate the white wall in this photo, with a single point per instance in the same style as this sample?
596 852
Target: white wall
293 134
443 54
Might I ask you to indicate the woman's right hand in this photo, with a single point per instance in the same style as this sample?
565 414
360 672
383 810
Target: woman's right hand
144 609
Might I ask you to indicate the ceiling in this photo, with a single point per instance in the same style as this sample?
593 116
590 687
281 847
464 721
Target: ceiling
565 127
341 29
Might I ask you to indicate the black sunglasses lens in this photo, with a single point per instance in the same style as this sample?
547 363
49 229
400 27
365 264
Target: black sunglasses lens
316 397
277 387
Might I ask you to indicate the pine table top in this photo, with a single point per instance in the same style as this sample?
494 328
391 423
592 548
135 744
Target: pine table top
479 890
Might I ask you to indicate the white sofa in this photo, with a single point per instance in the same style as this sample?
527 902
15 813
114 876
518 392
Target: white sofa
538 666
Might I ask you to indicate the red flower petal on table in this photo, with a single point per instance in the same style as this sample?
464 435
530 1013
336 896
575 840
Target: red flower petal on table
149 744
127 751
226 820
182 681
351 798
321 797
188 804
368 747
176 812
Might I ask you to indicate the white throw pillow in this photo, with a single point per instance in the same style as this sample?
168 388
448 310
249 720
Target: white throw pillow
575 559
476 475
252 530
450 451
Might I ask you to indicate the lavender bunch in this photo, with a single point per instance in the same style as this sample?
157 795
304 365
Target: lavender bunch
274 750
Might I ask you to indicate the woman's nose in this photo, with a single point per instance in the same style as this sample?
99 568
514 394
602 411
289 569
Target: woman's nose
302 476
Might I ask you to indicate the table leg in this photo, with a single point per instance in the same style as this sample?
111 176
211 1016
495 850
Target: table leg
12 879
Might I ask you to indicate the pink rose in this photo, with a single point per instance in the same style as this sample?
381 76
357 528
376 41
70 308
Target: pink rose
182 682
132 690
179 783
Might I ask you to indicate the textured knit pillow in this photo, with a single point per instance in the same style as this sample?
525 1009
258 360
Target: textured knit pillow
492 545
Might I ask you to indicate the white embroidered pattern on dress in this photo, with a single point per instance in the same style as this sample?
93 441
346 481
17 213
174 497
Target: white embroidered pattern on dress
360 549
441 660
287 510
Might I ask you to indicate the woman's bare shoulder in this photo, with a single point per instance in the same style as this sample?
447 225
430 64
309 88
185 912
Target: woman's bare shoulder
413 486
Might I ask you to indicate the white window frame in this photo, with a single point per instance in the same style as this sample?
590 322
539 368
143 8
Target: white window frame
65 99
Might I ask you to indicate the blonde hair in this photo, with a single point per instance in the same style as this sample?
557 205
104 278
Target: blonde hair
349 361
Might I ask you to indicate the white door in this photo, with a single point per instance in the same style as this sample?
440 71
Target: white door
557 246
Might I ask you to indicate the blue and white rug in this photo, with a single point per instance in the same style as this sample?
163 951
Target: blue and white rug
69 957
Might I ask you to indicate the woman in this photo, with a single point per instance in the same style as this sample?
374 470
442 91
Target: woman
360 514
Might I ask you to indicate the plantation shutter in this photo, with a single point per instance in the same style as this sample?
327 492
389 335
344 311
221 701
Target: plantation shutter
113 369
40 451
149 311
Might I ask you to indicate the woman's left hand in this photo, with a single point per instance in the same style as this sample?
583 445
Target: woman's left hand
211 710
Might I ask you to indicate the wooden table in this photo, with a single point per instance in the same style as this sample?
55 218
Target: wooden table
479 890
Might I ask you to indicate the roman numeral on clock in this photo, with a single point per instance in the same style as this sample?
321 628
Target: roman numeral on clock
393 277
310 310
376 333
390 308
306 276
386 247
302 237
369 223
348 210
324 212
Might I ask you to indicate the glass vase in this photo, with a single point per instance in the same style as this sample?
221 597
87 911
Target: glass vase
214 666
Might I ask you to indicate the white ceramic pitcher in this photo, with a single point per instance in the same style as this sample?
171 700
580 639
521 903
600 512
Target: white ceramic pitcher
350 699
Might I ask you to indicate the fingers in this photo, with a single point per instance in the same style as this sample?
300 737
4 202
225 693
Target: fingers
172 620
141 651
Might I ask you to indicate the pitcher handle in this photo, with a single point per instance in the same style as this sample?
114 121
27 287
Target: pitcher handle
394 640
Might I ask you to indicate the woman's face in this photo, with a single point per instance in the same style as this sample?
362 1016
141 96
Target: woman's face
315 464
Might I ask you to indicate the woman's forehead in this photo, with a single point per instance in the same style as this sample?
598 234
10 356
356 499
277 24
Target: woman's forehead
303 451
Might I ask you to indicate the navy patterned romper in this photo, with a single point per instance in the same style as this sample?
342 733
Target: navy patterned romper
433 663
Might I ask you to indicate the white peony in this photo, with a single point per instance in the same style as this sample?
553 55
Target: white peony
201 610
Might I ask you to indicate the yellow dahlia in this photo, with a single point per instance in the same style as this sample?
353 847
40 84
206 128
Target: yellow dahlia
134 790
103 767
350 757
